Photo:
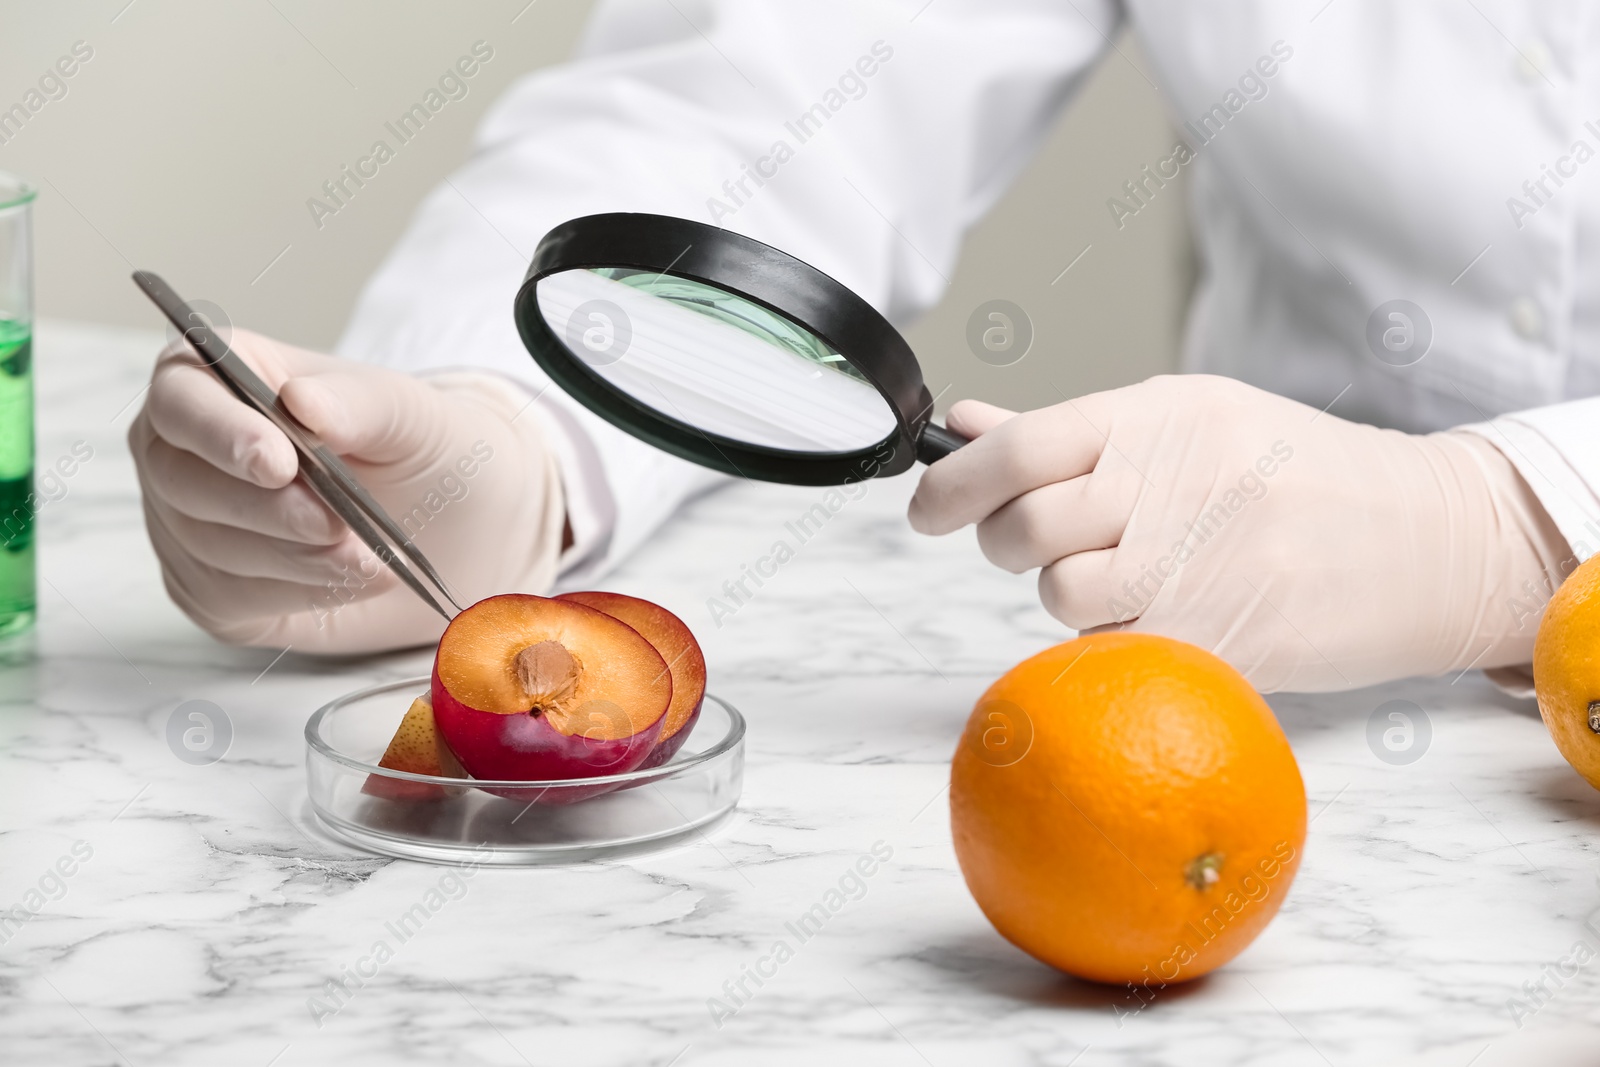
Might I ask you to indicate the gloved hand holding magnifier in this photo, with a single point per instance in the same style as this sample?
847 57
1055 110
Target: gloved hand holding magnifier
725 351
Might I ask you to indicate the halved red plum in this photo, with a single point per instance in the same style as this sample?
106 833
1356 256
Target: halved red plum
530 688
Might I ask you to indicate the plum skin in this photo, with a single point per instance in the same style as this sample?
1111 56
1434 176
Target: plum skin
526 747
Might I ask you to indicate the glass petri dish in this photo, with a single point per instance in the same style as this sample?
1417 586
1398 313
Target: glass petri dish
511 824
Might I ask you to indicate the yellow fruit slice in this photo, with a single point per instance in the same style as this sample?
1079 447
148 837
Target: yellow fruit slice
417 748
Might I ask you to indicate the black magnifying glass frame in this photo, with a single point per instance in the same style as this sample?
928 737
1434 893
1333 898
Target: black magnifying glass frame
763 275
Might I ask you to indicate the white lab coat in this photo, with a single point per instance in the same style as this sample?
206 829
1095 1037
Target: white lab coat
1383 157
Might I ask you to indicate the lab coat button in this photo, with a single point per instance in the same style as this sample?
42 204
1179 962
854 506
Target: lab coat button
1527 319
1533 62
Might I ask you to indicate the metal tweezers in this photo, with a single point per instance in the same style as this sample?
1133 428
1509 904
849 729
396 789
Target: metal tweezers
323 471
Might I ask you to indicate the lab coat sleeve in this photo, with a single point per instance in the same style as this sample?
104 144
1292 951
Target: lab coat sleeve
1556 449
862 136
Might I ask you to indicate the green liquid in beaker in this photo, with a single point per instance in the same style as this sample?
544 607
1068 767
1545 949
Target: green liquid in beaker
16 477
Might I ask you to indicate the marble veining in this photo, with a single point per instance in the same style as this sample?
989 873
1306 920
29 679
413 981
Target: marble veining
206 912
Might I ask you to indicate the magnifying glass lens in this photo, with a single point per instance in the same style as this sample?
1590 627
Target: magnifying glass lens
713 360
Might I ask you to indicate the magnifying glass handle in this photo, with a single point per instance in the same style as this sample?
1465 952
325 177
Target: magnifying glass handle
935 442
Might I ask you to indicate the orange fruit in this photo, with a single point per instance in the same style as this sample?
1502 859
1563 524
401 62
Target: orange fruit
1126 808
1566 669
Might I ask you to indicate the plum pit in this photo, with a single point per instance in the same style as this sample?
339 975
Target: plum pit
548 673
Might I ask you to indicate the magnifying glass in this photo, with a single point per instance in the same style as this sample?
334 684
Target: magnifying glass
725 351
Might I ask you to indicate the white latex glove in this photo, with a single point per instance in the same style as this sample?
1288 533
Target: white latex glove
1310 552
251 554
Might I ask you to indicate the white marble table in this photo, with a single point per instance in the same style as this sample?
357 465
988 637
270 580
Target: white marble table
211 909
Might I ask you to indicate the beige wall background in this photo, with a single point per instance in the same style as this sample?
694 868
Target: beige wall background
191 139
